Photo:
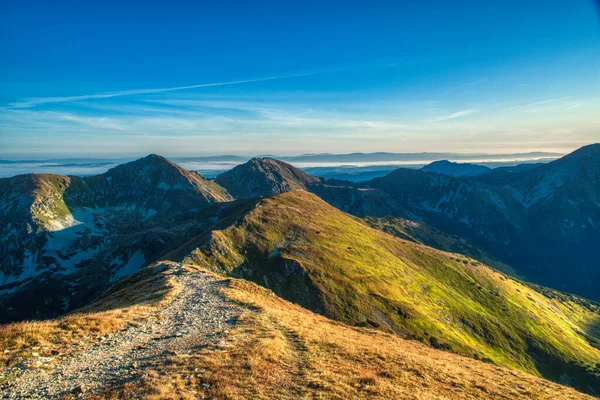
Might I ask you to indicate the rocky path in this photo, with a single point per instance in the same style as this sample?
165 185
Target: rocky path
198 316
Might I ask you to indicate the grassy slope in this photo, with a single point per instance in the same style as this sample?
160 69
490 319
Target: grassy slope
423 233
278 350
41 195
359 275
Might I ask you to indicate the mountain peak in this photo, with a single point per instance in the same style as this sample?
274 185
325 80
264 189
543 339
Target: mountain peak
264 176
156 160
592 150
582 163
455 169
147 169
157 180
270 161
443 162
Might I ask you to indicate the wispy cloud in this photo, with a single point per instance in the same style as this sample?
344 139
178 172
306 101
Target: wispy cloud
458 114
547 101
34 101
548 105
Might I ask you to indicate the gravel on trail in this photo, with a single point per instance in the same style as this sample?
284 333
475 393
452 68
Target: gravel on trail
197 317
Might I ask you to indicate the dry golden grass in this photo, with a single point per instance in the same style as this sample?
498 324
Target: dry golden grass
131 300
279 350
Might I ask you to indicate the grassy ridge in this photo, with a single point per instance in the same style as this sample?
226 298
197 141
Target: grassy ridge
323 259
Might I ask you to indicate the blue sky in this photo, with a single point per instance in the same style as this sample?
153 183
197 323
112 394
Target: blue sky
127 78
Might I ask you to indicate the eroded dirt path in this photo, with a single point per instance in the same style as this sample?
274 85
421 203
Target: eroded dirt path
197 317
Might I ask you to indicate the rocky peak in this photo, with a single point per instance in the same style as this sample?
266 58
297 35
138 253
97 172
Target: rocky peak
264 177
150 167
152 182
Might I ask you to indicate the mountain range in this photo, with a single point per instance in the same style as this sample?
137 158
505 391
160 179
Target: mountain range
539 219
372 254
355 166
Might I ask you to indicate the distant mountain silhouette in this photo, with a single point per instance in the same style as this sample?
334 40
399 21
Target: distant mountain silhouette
456 169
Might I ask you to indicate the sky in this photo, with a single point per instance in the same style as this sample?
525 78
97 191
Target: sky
182 78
